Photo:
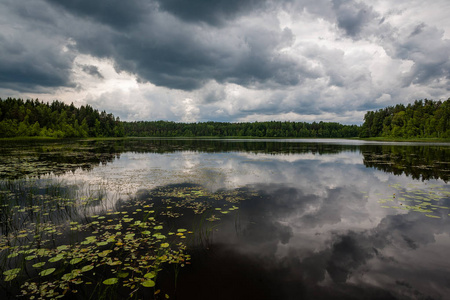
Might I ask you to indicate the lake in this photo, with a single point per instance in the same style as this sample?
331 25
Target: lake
224 219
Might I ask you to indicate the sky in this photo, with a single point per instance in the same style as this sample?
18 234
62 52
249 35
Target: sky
226 60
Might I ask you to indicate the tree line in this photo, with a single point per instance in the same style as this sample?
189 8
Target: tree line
36 118
421 119
273 129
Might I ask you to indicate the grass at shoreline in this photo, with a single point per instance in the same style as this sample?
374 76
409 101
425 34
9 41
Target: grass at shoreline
394 139
375 139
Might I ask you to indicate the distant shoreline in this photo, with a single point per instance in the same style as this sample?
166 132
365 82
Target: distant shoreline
373 139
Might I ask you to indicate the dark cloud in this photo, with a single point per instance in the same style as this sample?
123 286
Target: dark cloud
177 55
165 50
204 45
26 64
116 13
419 29
212 12
426 47
32 54
214 95
92 70
352 16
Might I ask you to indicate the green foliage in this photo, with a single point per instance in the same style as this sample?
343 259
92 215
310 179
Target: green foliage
422 119
35 118
257 129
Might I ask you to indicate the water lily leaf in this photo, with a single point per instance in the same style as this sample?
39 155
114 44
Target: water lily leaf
148 283
10 277
129 236
123 274
42 252
149 275
165 245
39 264
104 253
62 247
111 281
159 227
87 268
12 272
47 272
433 216
69 276
56 258
181 230
76 260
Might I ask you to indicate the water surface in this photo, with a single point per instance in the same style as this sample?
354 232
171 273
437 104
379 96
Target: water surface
285 219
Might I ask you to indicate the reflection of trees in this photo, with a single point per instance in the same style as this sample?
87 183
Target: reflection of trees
419 162
34 158
254 146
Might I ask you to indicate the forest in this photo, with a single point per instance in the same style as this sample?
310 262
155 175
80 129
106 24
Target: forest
33 118
36 118
421 119
274 129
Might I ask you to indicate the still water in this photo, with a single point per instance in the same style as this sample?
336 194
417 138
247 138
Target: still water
263 219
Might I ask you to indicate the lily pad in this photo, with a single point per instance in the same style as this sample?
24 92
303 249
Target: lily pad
56 258
74 261
39 264
47 272
111 281
148 283
87 268
12 272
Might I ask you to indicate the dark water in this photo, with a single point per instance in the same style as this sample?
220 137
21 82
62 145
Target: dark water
327 219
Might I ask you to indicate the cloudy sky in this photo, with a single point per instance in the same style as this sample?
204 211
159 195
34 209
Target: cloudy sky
226 60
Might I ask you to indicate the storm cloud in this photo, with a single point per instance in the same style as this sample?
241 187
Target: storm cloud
226 60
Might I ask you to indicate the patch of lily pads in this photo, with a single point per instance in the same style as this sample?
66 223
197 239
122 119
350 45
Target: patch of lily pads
432 200
55 244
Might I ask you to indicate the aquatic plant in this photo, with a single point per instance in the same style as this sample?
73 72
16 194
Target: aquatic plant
55 242
431 200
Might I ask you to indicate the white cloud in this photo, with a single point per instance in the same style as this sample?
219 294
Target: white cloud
299 60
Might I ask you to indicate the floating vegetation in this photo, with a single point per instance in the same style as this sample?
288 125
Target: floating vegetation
56 242
433 200
20 159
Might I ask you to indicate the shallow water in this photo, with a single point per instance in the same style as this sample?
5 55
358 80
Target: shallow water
314 219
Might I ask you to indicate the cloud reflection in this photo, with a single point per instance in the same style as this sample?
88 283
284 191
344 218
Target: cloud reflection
314 230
